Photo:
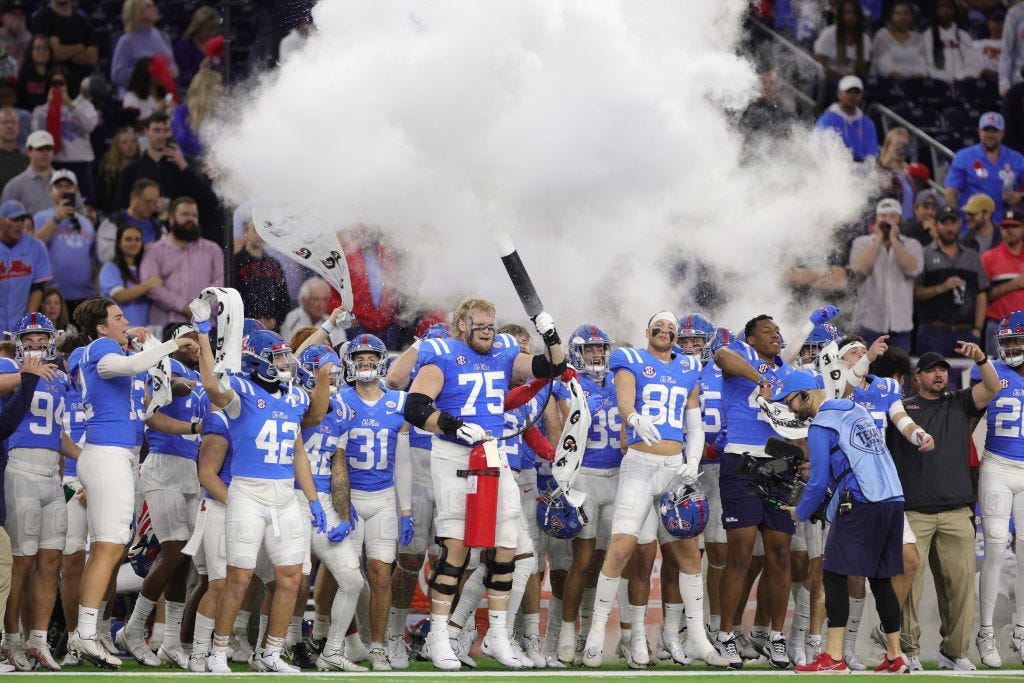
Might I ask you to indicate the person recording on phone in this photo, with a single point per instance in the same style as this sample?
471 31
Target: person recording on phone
70 238
885 264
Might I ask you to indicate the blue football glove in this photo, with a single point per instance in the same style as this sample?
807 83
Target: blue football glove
340 532
595 403
824 314
406 536
317 516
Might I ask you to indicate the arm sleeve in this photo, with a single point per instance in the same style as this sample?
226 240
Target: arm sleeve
820 442
113 365
403 472
694 435
895 409
538 443
521 395
17 406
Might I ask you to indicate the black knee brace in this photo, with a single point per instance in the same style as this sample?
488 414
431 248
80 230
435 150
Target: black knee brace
837 599
488 557
443 568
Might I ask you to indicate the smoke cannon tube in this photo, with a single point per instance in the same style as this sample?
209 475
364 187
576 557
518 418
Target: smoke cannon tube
517 273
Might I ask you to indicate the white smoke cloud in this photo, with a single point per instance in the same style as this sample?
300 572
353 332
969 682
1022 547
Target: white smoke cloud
593 131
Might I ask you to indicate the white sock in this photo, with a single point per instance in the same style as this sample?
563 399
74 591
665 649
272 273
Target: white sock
274 646
86 622
554 625
604 596
202 635
638 619
587 609
264 620
137 621
853 625
241 627
37 637
439 624
715 622
174 613
472 593
621 596
801 616
524 569
396 621
673 617
497 619
156 637
294 631
692 588
321 625
531 624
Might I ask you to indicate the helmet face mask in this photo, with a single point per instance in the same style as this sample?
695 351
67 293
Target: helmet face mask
364 359
683 508
590 351
267 357
558 517
310 361
694 336
1010 339
35 325
818 339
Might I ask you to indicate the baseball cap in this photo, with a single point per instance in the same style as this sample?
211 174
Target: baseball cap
63 174
798 380
991 119
979 202
95 86
930 360
915 169
12 208
888 205
1012 217
37 139
947 213
925 196
850 83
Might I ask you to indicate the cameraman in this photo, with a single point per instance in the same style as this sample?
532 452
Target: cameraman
69 236
848 454
885 264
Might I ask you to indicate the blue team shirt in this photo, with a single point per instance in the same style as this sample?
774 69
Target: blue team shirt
111 280
25 264
263 435
113 407
662 388
748 425
475 384
604 440
711 402
372 438
44 422
972 173
74 415
418 438
322 441
858 132
519 455
217 423
881 393
1004 415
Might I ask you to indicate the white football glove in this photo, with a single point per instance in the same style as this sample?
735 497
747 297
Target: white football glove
644 428
544 323
201 311
471 433
689 471
922 440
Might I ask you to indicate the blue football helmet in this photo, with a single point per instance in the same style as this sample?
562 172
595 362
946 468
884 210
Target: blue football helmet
310 360
34 323
590 335
250 325
268 357
1010 339
365 371
722 338
437 331
557 516
695 332
144 551
683 508
818 339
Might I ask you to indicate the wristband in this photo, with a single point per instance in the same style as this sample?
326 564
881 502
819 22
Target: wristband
202 326
416 343
981 362
903 423
193 427
327 327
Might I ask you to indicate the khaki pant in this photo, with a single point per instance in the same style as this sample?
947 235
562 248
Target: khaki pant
946 541
6 563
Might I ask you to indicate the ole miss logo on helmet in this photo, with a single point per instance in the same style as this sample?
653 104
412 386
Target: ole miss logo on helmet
556 524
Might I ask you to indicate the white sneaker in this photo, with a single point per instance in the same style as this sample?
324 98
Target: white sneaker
955 663
274 664
593 648
519 653
497 645
622 649
462 643
707 653
6 668
71 659
197 663
853 661
217 663
815 646
355 649
175 654
581 645
566 650
379 659
107 641
669 647
554 662
135 645
988 650
878 638
337 661
746 646
914 663
532 648
1017 641
241 650
795 649
729 650
91 651
398 652
41 653
15 654
441 653
638 655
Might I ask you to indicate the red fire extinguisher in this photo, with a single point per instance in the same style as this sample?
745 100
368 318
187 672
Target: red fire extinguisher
481 500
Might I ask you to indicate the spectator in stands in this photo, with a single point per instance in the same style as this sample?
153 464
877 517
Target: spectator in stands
949 49
12 160
71 37
844 48
124 149
1011 58
32 186
981 234
72 120
14 35
260 280
312 309
55 308
885 264
141 39
185 261
939 500
144 95
898 50
767 115
70 238
988 167
34 73
24 266
141 213
893 161
373 271
950 293
920 174
1004 265
119 279
846 118
189 51
201 102
991 48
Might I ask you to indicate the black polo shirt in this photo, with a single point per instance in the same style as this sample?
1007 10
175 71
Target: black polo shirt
940 479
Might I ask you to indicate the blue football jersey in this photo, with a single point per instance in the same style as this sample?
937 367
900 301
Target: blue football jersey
475 384
217 423
1004 415
662 389
604 440
191 408
322 441
372 438
44 422
113 407
880 394
711 402
263 435
74 424
513 446
748 425
418 438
